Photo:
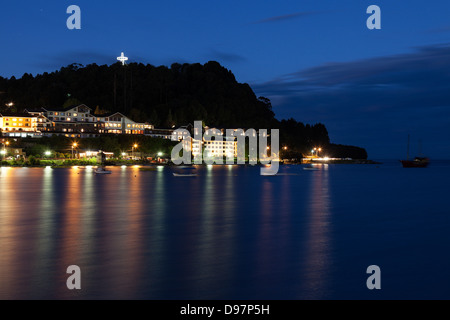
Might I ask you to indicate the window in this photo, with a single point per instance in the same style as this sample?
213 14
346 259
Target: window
75 114
69 114
68 119
62 113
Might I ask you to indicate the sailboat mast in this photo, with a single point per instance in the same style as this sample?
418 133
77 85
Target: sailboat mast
407 150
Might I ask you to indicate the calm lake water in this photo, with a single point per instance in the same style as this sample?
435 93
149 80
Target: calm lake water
227 234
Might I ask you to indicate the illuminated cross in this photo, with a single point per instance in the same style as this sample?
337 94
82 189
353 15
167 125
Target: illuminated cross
122 59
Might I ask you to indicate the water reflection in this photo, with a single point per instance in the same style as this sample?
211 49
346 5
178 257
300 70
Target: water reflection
226 233
317 250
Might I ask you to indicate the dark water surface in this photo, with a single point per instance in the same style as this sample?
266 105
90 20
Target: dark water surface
227 234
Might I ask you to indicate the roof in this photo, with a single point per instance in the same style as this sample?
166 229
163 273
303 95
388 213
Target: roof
34 110
16 114
107 115
65 109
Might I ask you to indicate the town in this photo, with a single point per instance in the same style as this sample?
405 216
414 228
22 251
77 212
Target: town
80 122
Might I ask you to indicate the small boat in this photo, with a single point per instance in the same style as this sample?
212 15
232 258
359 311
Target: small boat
418 162
185 174
310 168
102 170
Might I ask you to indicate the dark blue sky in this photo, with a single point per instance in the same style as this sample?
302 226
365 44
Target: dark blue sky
315 60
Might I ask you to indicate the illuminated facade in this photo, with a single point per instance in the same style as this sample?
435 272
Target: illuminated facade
19 125
76 121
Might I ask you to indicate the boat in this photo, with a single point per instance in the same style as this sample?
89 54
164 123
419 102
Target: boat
185 174
101 170
310 168
417 162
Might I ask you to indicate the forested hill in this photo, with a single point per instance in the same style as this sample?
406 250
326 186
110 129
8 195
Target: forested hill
162 96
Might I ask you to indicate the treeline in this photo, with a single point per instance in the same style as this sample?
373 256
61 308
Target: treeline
163 96
342 151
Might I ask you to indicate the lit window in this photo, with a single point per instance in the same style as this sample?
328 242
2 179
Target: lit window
75 114
68 119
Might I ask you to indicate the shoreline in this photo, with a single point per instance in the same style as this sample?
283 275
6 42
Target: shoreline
83 163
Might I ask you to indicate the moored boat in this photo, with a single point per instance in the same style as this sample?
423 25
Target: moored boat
101 170
185 174
417 162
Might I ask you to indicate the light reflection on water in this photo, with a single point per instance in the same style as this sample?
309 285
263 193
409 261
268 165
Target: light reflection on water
227 234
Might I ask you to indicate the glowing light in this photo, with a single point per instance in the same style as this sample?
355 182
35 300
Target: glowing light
48 153
122 58
160 154
3 152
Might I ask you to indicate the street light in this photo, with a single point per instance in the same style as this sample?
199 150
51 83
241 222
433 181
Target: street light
74 145
6 143
48 153
160 154
132 149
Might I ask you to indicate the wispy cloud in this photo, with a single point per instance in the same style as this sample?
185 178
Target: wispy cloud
285 17
56 61
227 56
439 30
374 100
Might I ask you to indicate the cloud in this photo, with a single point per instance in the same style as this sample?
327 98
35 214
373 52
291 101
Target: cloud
227 56
374 101
285 17
439 30
56 61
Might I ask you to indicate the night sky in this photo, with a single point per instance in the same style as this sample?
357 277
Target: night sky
316 60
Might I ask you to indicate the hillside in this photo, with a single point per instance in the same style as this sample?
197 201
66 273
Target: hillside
162 96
